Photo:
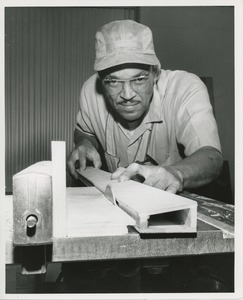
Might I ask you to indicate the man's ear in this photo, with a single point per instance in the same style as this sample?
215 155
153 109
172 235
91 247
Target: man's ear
156 72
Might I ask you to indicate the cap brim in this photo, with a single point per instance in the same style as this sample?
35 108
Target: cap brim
125 57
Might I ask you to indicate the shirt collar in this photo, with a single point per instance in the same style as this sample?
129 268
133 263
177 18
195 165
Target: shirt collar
154 115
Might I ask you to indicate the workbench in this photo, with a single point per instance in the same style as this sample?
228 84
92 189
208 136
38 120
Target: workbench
64 223
215 234
100 224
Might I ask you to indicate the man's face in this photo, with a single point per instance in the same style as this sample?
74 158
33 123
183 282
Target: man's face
129 91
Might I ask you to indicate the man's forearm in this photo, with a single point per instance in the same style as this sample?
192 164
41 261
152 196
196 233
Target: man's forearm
198 169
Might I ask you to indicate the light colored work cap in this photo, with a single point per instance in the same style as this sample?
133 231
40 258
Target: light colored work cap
122 42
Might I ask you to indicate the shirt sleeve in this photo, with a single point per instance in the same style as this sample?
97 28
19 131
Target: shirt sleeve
83 121
195 122
92 114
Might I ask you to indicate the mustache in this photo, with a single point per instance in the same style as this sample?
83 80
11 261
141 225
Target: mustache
128 102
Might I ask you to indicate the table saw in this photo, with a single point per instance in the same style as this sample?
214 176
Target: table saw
47 222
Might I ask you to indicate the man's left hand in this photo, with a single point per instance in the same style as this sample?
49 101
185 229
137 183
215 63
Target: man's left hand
164 178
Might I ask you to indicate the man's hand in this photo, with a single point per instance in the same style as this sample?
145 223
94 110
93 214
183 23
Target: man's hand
83 151
196 170
163 178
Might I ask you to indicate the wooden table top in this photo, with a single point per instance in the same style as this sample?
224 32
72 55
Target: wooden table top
215 234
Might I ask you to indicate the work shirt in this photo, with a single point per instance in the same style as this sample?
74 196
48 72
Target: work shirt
179 122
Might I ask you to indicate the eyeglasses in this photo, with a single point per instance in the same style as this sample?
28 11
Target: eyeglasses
115 86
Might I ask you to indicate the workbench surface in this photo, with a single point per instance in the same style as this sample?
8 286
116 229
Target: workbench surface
215 234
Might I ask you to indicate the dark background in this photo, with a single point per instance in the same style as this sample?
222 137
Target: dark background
49 53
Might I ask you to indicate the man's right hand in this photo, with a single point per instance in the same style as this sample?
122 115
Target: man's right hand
83 151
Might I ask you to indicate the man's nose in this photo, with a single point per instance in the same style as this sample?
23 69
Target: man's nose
127 92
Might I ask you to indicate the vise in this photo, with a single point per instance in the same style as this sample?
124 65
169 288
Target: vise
39 208
32 201
32 215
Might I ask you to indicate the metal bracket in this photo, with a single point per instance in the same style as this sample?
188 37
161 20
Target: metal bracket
33 259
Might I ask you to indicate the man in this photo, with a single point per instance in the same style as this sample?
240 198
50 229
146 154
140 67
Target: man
140 121
147 122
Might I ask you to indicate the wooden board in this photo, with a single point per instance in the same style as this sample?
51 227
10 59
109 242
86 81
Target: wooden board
154 210
89 213
96 177
59 211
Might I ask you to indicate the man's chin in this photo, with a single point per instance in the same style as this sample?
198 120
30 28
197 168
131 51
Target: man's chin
132 118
